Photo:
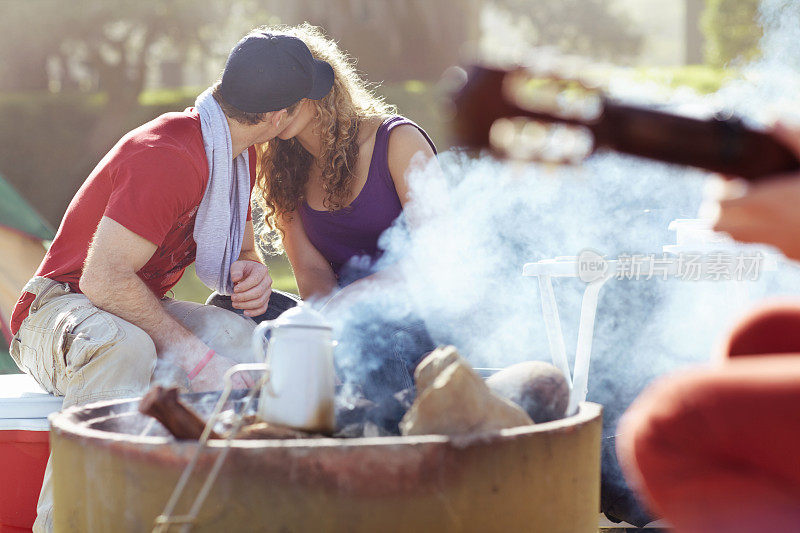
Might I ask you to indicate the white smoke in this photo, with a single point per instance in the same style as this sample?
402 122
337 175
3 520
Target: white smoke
476 223
769 86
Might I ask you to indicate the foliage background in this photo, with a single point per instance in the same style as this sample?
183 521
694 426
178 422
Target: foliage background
75 76
730 30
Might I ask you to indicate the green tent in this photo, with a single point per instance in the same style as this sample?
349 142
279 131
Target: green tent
23 238
17 214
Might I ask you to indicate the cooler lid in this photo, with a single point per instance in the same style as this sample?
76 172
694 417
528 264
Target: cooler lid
22 398
23 424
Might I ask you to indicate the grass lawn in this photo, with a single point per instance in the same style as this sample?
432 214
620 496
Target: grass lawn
191 289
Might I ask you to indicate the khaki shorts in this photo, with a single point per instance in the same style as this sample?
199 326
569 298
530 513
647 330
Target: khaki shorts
76 350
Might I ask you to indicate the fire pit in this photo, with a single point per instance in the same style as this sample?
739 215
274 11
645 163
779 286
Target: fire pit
544 477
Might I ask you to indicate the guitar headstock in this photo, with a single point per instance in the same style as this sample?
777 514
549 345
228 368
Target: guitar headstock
526 112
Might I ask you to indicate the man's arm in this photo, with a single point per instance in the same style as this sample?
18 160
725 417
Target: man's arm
110 282
252 284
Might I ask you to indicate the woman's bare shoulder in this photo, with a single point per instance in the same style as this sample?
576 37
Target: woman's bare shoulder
369 127
405 139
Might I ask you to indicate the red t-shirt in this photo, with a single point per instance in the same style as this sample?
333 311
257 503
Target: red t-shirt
152 183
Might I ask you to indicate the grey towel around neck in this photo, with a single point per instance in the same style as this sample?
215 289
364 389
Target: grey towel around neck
221 217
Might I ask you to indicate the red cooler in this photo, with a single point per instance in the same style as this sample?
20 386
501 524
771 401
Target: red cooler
24 448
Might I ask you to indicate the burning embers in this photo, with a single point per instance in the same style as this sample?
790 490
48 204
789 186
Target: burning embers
451 399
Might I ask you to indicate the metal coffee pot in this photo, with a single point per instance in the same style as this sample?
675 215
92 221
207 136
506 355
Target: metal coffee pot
299 357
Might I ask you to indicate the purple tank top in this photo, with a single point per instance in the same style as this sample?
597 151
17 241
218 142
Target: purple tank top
353 231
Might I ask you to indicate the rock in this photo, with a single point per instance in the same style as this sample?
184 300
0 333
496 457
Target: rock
372 430
458 402
267 431
538 387
388 413
405 398
351 410
254 429
433 364
350 431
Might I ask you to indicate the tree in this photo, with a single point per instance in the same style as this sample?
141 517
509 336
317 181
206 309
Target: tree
731 29
25 50
589 28
392 40
109 45
116 40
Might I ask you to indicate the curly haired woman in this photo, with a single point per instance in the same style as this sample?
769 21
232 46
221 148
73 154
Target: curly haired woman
332 182
334 179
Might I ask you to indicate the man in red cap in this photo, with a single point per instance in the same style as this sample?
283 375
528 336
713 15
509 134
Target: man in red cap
717 449
93 322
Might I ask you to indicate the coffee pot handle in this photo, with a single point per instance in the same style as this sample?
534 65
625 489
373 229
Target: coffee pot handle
258 345
260 334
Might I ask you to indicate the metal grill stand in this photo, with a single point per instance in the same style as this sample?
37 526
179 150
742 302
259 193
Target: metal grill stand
694 236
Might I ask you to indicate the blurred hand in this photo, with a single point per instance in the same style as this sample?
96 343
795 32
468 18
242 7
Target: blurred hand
768 212
252 286
210 378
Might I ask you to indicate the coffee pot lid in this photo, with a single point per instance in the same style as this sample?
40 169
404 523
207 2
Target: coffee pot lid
302 315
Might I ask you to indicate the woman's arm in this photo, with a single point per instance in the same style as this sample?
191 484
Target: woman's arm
249 252
408 151
313 273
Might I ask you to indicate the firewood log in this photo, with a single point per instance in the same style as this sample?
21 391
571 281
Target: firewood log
163 404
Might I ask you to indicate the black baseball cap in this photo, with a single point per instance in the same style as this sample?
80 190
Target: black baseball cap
267 72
